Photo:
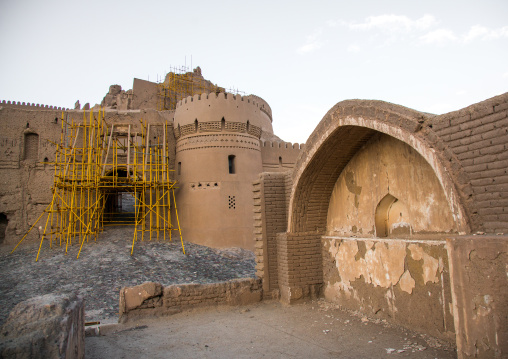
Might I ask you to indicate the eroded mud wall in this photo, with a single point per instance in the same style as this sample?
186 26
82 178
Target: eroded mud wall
405 281
478 268
28 139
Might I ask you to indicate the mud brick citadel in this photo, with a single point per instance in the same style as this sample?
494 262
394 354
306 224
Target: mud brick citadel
385 210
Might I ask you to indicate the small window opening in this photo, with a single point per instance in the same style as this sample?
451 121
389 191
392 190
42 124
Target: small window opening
56 119
196 125
280 161
231 163
27 125
179 168
248 125
222 124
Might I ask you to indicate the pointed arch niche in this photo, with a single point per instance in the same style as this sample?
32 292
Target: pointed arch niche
388 190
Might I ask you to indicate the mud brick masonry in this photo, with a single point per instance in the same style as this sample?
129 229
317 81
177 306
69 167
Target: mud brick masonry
395 213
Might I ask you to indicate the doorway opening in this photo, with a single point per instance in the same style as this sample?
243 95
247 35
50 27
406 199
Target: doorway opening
3 226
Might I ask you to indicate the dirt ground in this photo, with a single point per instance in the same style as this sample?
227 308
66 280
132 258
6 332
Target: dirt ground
106 266
315 329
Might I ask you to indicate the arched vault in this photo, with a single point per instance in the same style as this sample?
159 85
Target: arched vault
338 137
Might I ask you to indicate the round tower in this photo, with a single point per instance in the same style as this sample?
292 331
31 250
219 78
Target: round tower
218 156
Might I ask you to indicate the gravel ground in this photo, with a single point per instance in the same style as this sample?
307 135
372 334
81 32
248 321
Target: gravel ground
106 266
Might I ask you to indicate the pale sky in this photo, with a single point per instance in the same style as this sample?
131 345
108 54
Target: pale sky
302 57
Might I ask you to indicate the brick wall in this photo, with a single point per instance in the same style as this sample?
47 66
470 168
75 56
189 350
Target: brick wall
270 218
300 265
149 299
476 139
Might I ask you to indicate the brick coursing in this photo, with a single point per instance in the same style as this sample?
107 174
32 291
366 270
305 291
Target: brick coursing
300 264
270 218
471 146
477 136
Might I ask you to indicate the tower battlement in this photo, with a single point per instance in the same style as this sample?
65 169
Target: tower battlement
29 105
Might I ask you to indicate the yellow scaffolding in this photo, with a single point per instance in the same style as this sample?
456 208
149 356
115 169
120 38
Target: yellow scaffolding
95 164
181 83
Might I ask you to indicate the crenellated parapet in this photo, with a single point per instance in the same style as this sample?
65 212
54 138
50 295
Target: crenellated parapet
240 113
279 156
283 145
263 105
251 99
30 106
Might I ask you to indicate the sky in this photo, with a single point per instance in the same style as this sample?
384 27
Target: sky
302 57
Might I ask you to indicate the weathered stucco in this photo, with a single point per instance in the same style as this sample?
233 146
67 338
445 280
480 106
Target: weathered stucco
404 280
387 166
479 272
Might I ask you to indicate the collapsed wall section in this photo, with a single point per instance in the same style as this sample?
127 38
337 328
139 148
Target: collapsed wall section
152 299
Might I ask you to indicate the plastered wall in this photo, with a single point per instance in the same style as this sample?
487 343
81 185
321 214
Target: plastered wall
214 205
388 167
401 280
214 107
478 269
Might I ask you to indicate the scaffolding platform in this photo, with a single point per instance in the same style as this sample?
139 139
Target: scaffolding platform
96 163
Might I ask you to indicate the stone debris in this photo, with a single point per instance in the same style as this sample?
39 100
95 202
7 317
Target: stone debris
410 343
106 266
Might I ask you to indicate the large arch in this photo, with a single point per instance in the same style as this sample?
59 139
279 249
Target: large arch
337 138
343 131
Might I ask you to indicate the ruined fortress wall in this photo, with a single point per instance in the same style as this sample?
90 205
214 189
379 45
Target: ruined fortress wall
144 95
26 179
28 138
279 156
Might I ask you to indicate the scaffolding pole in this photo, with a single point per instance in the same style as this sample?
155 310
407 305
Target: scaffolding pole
97 163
